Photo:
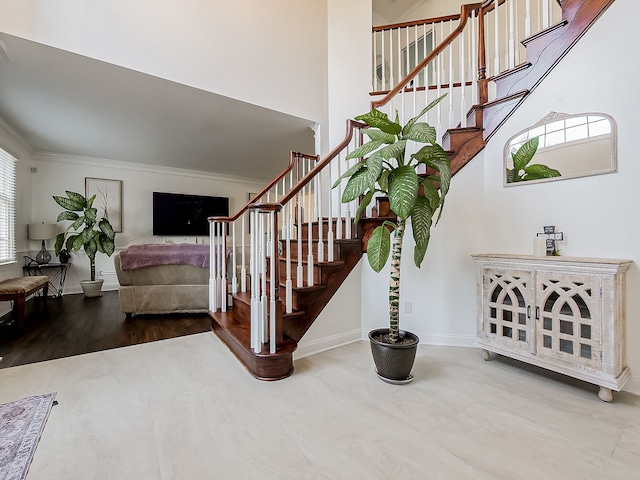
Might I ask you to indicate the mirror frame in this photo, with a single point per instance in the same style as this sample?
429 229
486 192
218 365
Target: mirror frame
554 117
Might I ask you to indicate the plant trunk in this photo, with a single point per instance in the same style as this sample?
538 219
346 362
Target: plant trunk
93 270
394 282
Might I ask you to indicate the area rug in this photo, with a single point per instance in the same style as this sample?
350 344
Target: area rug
21 424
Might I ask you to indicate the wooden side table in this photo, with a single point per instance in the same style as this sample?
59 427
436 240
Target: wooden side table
57 273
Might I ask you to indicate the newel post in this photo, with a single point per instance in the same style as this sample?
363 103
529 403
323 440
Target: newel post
483 88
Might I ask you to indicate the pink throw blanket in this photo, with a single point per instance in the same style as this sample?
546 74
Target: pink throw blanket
139 256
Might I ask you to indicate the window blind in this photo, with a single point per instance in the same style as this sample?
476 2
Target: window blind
7 207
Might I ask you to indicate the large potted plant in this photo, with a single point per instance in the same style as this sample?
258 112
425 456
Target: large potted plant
386 168
87 231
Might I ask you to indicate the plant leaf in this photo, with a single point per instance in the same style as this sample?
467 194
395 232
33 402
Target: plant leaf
364 203
67 215
356 186
107 229
431 193
379 135
403 190
511 175
348 173
70 204
525 153
90 248
421 132
105 244
59 243
375 118
90 201
421 220
378 248
395 150
419 251
537 171
383 181
374 168
90 215
365 149
410 123
435 157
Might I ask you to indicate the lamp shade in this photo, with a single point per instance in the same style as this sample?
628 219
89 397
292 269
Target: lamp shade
42 231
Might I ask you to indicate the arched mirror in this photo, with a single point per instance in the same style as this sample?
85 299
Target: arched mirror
561 146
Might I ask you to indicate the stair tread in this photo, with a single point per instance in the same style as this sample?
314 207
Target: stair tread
239 328
245 297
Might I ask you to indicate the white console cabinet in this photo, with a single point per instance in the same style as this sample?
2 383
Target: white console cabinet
561 313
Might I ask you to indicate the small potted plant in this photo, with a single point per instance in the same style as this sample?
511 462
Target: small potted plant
384 168
87 232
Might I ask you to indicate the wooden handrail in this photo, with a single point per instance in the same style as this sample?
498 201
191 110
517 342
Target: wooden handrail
351 126
465 13
413 23
292 157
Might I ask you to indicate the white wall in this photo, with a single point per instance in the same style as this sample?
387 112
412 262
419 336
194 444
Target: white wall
596 214
349 31
271 53
55 174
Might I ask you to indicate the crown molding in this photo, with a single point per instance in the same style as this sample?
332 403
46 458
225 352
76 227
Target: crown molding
141 167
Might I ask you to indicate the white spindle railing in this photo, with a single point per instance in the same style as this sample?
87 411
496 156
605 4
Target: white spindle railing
454 70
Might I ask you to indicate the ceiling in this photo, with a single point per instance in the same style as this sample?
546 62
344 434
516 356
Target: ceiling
64 103
392 10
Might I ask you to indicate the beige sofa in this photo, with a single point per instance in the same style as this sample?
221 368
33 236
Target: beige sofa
163 289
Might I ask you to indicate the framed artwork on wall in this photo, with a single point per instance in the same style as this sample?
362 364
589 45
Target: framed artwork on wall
108 199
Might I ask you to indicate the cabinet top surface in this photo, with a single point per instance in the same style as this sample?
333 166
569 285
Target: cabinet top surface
551 259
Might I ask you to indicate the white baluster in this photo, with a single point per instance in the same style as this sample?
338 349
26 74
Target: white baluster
512 35
383 62
439 126
463 78
545 13
288 283
527 19
451 114
263 277
474 58
243 268
374 77
212 299
310 234
339 207
223 263
318 189
272 289
255 282
496 34
330 237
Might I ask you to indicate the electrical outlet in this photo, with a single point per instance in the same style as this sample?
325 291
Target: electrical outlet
408 308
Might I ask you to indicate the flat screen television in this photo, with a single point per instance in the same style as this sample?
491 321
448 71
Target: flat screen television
185 215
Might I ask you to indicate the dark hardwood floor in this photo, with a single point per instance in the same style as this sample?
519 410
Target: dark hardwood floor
73 325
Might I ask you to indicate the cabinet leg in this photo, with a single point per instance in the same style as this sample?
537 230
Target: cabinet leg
486 355
605 394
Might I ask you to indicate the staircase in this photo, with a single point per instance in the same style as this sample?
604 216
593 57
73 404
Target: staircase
302 240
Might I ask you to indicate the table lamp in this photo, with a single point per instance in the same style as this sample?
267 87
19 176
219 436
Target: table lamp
43 231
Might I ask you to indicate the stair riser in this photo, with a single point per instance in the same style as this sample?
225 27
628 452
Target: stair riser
317 274
304 228
314 246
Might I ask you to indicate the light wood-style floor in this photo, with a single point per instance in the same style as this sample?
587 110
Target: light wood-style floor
184 408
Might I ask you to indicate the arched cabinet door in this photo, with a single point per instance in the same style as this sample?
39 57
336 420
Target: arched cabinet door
565 314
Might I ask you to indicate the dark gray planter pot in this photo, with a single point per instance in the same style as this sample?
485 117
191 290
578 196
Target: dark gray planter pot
393 362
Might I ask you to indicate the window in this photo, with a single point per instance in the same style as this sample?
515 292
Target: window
7 207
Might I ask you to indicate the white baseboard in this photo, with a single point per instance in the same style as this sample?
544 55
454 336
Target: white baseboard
446 340
316 346
632 386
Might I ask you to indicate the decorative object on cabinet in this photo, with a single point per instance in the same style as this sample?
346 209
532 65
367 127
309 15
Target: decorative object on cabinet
43 231
577 145
385 167
566 314
550 237
87 231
